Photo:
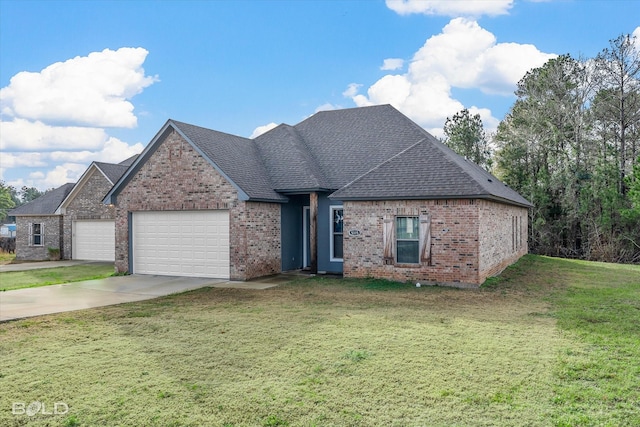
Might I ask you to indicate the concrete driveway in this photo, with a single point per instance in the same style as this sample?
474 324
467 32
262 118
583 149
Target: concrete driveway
30 302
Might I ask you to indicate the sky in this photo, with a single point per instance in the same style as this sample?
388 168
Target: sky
84 81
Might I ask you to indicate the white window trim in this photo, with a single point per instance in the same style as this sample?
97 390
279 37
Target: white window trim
331 210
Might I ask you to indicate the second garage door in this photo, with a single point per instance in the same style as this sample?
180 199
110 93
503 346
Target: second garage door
183 243
93 240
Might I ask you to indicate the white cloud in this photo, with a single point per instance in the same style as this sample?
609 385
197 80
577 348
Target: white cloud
452 8
352 90
463 55
60 175
90 90
327 107
24 135
636 34
54 119
392 64
262 129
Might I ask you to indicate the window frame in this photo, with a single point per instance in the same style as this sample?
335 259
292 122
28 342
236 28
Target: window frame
416 223
333 233
33 235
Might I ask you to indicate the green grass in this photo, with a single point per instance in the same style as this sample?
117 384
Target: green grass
550 342
6 258
10 280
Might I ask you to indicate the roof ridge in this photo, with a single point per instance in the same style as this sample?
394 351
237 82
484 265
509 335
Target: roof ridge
308 154
178 122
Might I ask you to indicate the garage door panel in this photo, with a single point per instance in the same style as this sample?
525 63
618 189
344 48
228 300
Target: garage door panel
93 240
192 243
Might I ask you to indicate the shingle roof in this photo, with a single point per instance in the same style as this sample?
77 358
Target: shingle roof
129 161
348 143
112 172
236 157
47 204
288 160
428 170
359 153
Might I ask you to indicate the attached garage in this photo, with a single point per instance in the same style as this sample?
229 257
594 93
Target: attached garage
93 240
181 243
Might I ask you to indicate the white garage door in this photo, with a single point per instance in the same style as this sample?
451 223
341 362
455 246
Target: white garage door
93 240
183 243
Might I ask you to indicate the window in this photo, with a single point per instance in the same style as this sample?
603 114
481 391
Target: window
337 229
36 234
407 240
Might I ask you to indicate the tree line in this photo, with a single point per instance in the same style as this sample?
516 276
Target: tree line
570 144
11 198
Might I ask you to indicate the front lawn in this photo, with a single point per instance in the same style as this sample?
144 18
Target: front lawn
10 280
551 342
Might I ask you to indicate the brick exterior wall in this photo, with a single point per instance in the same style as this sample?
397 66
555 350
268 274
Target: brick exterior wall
52 238
177 178
255 240
503 236
87 204
458 232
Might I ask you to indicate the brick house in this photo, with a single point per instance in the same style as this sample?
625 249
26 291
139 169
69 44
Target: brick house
71 218
38 226
364 191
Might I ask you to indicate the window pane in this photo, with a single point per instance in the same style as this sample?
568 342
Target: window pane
337 220
36 228
407 227
37 240
408 252
337 245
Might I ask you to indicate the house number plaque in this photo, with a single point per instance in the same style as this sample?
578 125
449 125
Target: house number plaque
354 232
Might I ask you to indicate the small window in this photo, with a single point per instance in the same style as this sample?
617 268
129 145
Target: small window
337 225
36 234
407 240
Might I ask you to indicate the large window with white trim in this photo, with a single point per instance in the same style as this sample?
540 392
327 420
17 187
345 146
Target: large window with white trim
337 230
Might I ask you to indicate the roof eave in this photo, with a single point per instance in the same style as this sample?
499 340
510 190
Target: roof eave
431 197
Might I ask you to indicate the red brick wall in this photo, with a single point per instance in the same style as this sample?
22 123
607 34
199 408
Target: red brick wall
503 236
256 242
454 236
472 239
176 177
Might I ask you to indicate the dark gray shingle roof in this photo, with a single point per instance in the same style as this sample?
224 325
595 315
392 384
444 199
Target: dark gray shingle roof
428 170
236 157
288 160
112 171
373 152
348 143
128 162
47 204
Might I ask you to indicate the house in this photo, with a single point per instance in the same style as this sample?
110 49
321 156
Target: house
71 218
364 191
38 226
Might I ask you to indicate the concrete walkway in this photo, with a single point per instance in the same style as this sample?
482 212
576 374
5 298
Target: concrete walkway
21 303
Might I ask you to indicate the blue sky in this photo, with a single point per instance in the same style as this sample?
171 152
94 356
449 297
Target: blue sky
84 81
